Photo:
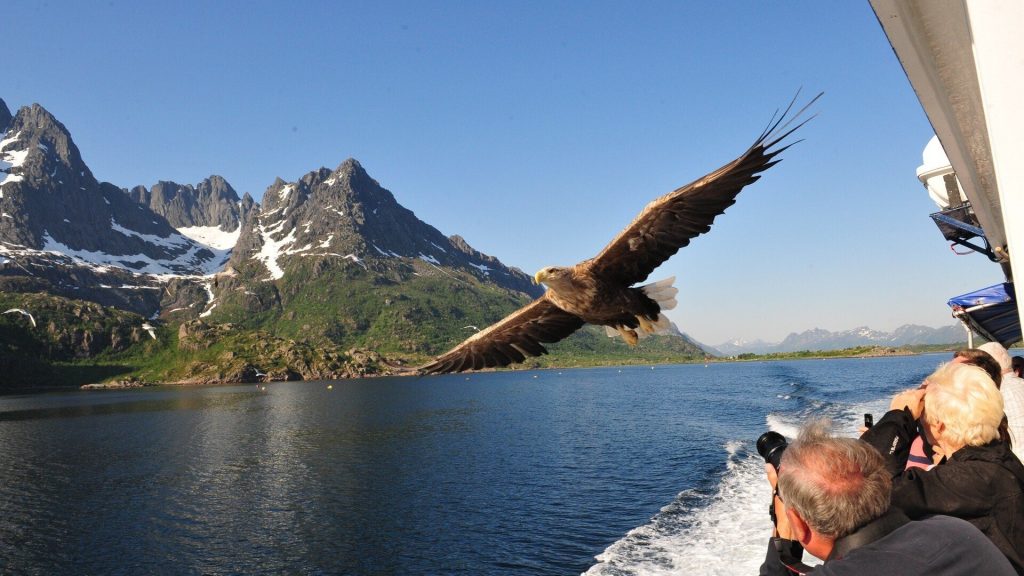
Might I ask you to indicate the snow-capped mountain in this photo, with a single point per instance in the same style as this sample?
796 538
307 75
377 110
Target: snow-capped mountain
819 339
162 250
64 232
346 214
53 209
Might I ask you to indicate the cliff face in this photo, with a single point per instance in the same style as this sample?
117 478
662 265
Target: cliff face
211 203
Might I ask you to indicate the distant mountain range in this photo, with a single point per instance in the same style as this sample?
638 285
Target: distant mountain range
213 287
818 339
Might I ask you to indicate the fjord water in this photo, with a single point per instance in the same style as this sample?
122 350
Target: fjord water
604 471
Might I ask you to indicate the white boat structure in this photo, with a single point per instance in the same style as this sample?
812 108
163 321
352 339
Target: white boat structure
965 61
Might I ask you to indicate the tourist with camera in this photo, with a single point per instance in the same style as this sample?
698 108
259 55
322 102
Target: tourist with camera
831 497
959 410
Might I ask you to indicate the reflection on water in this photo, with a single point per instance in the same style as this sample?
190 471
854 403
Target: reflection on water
113 406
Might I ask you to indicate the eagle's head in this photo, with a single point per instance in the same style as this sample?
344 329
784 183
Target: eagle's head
553 276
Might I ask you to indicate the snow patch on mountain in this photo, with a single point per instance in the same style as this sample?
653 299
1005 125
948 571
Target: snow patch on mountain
212 236
272 249
169 242
10 159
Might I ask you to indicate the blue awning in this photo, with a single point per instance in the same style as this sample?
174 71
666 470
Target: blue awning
991 312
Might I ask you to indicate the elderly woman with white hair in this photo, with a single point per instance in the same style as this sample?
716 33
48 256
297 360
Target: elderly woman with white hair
980 480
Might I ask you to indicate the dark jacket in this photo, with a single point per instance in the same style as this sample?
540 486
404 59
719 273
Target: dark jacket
981 484
938 545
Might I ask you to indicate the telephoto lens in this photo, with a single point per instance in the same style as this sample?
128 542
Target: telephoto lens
770 446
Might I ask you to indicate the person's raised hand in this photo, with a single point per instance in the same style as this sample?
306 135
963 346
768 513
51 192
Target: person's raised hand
912 399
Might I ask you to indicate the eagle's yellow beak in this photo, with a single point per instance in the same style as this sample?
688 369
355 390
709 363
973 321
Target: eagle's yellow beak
539 277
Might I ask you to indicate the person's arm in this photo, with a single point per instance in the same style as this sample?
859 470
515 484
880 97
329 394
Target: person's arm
892 435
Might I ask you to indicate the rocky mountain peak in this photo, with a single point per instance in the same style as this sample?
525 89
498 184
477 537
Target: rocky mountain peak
211 203
346 213
5 116
350 165
36 145
350 169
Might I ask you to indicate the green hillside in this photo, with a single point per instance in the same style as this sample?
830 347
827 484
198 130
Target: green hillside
326 319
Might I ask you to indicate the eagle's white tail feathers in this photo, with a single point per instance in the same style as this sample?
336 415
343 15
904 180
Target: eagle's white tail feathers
662 292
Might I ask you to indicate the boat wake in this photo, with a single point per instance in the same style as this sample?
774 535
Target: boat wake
720 532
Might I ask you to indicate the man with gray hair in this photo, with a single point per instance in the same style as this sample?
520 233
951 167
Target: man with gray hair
831 497
1012 389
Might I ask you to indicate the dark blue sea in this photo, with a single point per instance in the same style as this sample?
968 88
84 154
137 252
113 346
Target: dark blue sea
602 471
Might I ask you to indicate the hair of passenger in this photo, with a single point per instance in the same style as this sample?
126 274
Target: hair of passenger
983 360
1017 363
966 400
837 485
996 350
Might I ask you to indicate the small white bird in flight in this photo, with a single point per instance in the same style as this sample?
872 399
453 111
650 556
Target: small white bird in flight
25 312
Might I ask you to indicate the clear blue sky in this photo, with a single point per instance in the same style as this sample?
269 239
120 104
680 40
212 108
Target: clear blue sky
536 130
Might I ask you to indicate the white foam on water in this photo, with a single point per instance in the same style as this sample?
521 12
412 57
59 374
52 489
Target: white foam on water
850 423
788 426
724 533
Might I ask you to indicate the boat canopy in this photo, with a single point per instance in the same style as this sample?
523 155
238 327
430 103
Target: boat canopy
990 312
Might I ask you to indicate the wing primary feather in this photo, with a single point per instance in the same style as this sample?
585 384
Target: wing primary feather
797 115
465 363
788 132
776 118
490 358
509 351
530 347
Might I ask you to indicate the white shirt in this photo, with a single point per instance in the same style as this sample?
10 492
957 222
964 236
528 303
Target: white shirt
1012 388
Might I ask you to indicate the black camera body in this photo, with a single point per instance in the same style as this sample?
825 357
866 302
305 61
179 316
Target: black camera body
770 446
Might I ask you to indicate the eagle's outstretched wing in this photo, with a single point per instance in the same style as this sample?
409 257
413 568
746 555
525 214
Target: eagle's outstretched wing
512 339
671 221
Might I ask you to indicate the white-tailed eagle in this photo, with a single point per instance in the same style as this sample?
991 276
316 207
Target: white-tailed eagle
601 290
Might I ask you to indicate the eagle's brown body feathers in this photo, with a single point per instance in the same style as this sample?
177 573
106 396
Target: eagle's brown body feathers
598 301
601 290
